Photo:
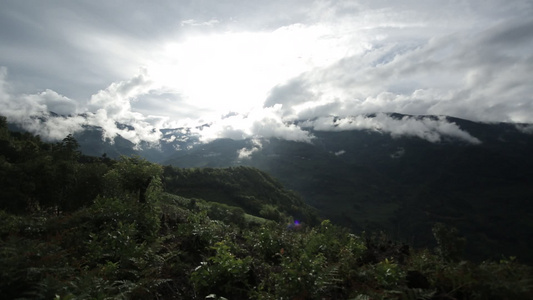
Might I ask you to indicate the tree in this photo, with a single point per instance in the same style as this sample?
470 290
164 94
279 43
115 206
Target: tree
67 149
135 174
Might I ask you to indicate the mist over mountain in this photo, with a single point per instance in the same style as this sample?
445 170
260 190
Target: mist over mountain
391 172
369 179
79 226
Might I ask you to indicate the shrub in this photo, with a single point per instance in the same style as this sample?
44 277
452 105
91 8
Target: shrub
223 274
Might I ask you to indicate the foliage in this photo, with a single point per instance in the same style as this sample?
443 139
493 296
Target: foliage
41 176
254 191
223 273
118 245
450 245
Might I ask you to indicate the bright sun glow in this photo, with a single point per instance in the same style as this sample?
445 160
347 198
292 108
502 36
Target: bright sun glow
235 71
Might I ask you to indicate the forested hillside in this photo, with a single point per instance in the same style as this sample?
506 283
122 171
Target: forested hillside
370 180
81 227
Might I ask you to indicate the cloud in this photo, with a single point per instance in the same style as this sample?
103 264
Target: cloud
54 128
113 105
481 75
192 22
18 108
525 128
57 103
340 152
246 153
116 98
293 92
106 109
272 63
432 130
26 105
259 123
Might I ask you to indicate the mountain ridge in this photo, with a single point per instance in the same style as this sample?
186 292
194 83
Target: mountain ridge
371 179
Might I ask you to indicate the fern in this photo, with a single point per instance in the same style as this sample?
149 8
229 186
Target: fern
361 297
331 280
418 294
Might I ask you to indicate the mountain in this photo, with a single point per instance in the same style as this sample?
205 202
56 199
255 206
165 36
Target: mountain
84 227
370 179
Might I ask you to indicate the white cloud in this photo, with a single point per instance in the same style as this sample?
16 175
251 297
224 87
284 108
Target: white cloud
116 98
259 123
113 105
425 128
339 153
246 153
58 104
478 74
54 128
26 110
109 107
192 22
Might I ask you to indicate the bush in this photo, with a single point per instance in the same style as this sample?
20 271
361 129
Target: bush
223 274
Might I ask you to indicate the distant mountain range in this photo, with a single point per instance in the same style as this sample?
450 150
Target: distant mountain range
370 180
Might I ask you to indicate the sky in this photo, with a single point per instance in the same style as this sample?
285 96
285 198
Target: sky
254 69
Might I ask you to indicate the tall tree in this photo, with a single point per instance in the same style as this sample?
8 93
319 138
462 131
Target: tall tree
134 174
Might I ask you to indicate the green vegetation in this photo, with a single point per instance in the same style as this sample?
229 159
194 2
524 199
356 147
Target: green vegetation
78 227
250 189
367 180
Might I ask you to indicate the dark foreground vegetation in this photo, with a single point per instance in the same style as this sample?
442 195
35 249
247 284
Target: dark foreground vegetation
79 227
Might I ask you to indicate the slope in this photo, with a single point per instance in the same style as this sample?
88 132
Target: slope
370 180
